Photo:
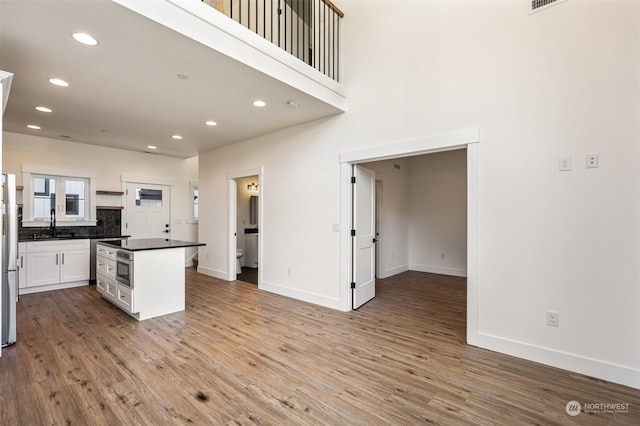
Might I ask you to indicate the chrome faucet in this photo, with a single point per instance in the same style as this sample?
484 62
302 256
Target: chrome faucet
52 225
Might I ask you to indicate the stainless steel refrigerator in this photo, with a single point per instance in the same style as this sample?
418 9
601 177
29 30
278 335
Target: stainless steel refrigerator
9 259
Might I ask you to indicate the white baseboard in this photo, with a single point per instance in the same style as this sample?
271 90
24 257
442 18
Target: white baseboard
589 367
40 289
456 272
305 296
393 271
212 272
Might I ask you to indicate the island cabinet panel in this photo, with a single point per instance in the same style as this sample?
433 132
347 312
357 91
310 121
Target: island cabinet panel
158 282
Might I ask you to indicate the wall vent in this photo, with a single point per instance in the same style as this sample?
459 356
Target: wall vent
537 5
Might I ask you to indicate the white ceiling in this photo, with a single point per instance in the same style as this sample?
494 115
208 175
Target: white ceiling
125 92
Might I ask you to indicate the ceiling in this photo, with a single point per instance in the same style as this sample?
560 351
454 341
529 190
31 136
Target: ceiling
142 84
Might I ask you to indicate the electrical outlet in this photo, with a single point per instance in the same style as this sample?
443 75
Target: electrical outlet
442 256
564 163
553 318
592 161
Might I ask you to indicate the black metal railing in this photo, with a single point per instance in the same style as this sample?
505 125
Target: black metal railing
307 29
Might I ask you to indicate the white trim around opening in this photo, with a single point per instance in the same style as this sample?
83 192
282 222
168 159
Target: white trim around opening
469 139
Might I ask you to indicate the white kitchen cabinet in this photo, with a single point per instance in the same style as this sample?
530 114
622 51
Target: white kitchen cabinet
43 268
22 264
125 298
106 272
56 264
74 265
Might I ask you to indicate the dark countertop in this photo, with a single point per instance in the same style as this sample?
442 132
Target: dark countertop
150 244
71 237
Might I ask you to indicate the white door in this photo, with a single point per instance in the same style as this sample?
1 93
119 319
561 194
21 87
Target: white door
148 211
364 279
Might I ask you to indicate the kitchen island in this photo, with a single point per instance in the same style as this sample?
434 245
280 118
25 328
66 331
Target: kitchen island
143 277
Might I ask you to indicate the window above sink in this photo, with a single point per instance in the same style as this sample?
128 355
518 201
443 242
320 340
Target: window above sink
67 193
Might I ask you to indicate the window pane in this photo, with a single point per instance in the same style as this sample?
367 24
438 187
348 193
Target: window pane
148 197
44 196
74 198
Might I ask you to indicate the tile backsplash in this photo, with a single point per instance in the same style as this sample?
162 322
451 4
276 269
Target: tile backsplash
108 225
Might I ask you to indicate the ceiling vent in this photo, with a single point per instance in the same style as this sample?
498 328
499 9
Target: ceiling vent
537 5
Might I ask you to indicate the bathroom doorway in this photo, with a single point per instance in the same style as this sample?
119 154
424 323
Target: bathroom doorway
242 185
247 228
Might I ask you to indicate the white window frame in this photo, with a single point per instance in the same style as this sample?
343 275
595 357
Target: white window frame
28 219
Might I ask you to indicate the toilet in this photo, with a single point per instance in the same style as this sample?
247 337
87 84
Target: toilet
239 254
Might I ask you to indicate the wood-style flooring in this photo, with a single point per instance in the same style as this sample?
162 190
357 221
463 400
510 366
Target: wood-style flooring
238 355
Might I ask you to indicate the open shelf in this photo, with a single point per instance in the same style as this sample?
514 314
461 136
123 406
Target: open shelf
109 193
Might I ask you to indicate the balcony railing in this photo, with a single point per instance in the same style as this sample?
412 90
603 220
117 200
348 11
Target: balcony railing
307 29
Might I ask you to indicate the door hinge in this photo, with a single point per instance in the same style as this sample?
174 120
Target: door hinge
353 179
353 232
353 285
127 192
126 225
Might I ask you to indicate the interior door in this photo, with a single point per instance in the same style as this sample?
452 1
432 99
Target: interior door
364 253
148 211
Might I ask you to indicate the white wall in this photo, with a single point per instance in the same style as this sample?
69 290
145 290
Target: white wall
438 213
109 165
560 82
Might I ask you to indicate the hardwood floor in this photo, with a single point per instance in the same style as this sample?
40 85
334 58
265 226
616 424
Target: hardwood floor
238 355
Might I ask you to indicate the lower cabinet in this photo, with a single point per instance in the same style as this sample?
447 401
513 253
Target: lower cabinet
116 293
125 298
56 262
22 265
106 284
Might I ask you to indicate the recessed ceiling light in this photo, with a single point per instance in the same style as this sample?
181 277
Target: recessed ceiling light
259 103
211 123
43 109
58 82
33 126
152 147
85 38
177 137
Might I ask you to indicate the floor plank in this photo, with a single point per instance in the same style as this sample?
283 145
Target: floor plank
238 355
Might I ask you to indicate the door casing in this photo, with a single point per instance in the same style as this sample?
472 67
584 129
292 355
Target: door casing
467 138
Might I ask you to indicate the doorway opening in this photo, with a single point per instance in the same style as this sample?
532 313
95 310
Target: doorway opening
247 229
468 139
245 225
